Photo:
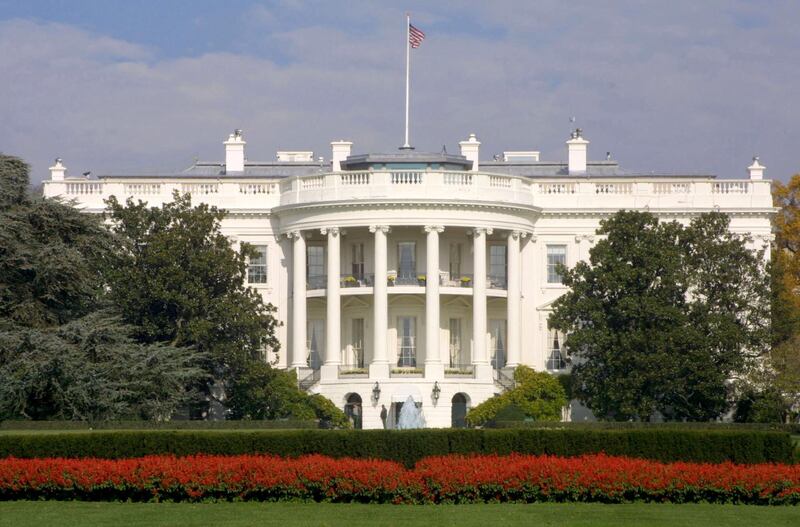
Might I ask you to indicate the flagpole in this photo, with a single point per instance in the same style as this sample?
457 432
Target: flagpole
408 73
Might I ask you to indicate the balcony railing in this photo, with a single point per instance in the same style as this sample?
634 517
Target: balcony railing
459 370
317 282
353 371
462 280
497 282
351 280
407 278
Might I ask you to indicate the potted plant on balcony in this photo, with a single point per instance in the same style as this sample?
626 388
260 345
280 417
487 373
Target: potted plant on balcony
390 279
421 279
465 281
350 281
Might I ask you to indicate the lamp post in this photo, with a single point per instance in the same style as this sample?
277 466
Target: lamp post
376 392
436 392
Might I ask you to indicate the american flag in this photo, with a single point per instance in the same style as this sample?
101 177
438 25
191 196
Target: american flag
415 36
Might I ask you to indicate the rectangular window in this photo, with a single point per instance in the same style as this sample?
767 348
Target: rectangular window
407 342
497 332
455 261
315 266
497 266
406 263
257 266
556 254
357 343
556 359
358 261
456 360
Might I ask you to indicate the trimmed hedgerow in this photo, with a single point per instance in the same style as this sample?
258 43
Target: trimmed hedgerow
409 446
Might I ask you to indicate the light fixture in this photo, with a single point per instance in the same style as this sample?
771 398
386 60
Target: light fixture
436 391
376 392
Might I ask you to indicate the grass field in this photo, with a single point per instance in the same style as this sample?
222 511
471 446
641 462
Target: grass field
22 513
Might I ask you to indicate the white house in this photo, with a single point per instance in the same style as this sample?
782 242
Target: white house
428 275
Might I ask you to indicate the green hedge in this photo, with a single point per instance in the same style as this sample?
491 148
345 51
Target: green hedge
791 428
411 445
243 424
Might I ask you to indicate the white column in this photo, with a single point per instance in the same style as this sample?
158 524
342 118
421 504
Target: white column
480 358
433 359
299 351
333 321
514 293
379 367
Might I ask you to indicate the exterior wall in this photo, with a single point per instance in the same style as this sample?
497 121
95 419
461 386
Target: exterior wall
559 210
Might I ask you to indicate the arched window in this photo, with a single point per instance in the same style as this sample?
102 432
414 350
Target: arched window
352 410
458 412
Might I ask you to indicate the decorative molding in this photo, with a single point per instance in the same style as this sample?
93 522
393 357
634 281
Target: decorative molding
584 237
333 230
433 228
385 229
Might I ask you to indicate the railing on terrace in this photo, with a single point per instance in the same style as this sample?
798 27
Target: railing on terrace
142 189
351 280
353 370
454 369
76 188
317 282
496 282
462 280
407 278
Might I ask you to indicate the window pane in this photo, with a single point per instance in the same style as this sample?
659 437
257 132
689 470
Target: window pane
497 265
257 266
455 261
556 254
406 261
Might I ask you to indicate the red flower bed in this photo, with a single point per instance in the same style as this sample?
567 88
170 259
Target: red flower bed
459 479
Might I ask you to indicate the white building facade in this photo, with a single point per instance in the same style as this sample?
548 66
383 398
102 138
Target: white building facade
423 275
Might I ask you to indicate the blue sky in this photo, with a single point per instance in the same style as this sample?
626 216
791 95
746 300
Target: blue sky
666 86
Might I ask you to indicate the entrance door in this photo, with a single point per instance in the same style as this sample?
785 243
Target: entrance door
458 413
352 410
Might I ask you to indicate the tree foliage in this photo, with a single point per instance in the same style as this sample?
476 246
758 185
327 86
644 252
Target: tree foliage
538 395
663 317
264 392
181 282
62 354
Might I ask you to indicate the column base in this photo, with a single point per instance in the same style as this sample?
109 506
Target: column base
434 370
483 372
329 372
379 370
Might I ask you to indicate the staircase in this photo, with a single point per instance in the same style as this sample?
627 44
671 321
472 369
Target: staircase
309 380
503 380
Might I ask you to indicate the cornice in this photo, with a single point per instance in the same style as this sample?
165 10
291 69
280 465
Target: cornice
761 212
408 203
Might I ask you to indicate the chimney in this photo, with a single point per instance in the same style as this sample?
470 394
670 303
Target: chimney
470 149
755 171
58 171
234 152
576 153
340 150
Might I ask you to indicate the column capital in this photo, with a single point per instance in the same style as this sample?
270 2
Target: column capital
434 228
581 237
333 230
293 235
385 229
480 230
518 234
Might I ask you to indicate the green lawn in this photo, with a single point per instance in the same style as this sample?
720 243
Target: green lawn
22 513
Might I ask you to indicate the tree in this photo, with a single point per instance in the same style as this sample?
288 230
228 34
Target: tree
179 281
663 317
91 369
63 355
537 395
263 392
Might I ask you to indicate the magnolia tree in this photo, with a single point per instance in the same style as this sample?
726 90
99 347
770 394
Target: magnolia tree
664 318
